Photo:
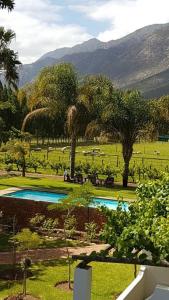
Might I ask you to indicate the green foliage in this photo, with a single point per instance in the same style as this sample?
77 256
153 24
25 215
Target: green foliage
8 58
45 224
27 240
37 220
50 225
52 80
117 220
126 114
9 4
160 114
95 92
84 194
146 223
9 167
70 226
80 196
91 231
33 163
55 166
43 164
19 150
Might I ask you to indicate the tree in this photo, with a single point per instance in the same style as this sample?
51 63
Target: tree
95 92
10 112
8 58
78 197
160 114
84 194
57 96
144 226
127 113
77 117
19 150
69 221
54 90
9 4
26 240
91 231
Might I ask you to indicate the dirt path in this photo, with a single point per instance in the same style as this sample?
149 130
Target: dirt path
49 254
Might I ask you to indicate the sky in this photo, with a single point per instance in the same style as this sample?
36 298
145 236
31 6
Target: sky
45 25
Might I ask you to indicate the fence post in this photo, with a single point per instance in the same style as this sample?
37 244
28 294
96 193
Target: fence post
117 160
82 283
143 161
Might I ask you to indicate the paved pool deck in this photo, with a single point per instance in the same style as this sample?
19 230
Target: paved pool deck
10 190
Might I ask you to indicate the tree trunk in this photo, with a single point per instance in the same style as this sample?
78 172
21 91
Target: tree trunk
24 281
72 155
88 214
37 138
23 168
127 154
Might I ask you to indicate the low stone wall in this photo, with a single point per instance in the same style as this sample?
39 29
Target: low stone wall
24 210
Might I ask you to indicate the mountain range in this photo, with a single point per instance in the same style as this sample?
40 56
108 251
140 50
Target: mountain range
139 60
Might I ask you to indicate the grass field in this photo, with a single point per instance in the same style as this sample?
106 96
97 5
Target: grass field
108 281
59 185
154 154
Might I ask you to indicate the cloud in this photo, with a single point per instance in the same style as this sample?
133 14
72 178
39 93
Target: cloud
40 28
44 25
125 16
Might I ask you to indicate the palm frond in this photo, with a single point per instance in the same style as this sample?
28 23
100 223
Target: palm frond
9 4
93 129
77 118
34 114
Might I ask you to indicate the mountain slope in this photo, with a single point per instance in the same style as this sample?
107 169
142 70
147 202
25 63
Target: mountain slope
153 86
88 46
136 60
28 72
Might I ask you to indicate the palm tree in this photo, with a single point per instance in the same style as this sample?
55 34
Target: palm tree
57 89
8 58
9 4
126 114
77 119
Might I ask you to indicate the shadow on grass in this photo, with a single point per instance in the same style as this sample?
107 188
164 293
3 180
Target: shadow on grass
5 285
54 263
34 273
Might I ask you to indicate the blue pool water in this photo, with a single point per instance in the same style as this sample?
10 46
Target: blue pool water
56 197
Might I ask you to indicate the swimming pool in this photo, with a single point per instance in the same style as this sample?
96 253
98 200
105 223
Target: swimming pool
56 197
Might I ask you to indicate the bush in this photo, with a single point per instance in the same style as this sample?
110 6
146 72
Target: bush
70 226
91 231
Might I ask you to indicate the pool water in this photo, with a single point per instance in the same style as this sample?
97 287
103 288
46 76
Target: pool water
56 197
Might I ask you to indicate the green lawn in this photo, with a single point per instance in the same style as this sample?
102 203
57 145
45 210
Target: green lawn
3 187
108 281
59 185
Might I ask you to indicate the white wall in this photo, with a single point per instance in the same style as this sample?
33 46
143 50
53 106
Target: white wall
144 284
